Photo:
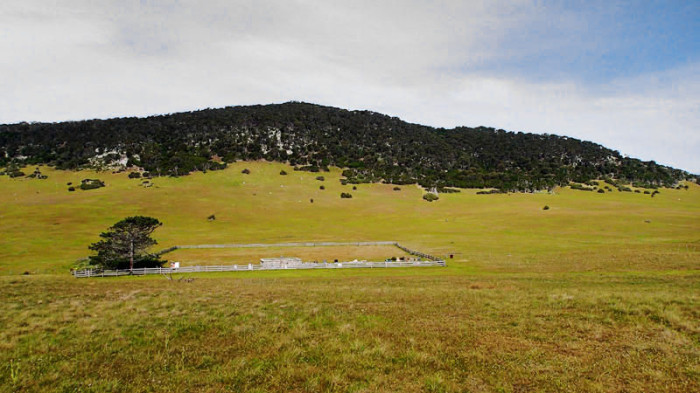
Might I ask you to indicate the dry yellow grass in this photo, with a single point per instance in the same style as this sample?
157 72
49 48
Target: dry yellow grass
598 293
367 333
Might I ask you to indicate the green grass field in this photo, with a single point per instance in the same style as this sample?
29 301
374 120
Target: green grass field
598 293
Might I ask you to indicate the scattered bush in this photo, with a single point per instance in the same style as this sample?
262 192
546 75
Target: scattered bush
311 168
546 207
71 189
601 191
637 191
354 188
147 175
430 197
447 190
70 183
134 175
246 171
646 192
397 188
37 175
654 193
322 187
214 166
320 178
345 195
283 173
580 187
610 181
640 184
16 173
91 184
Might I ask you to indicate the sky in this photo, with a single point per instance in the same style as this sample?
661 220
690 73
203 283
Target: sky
625 74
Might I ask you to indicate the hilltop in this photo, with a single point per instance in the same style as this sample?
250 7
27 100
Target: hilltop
371 147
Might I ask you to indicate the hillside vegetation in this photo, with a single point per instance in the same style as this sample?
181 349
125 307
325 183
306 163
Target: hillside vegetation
371 147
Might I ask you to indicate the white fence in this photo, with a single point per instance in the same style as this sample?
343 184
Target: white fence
252 267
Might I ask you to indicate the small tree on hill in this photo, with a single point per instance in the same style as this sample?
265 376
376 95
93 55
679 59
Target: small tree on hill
124 245
430 197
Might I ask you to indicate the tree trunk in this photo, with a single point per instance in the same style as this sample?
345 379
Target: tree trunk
131 255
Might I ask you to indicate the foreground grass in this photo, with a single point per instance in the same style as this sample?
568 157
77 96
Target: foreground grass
377 332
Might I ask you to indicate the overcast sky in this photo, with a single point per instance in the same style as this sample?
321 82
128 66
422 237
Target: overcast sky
621 73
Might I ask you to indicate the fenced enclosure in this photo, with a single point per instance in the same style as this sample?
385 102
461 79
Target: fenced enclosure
252 267
431 261
273 245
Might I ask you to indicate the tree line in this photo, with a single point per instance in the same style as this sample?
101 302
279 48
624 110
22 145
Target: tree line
371 147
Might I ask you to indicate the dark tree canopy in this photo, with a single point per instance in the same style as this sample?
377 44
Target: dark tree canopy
371 147
125 245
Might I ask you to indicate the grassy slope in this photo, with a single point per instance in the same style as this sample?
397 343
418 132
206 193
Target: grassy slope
585 296
45 228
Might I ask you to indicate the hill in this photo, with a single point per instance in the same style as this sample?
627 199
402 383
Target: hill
370 146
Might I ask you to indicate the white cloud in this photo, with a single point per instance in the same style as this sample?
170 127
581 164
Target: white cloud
426 62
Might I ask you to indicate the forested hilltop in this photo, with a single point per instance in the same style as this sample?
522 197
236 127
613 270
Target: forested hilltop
371 146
